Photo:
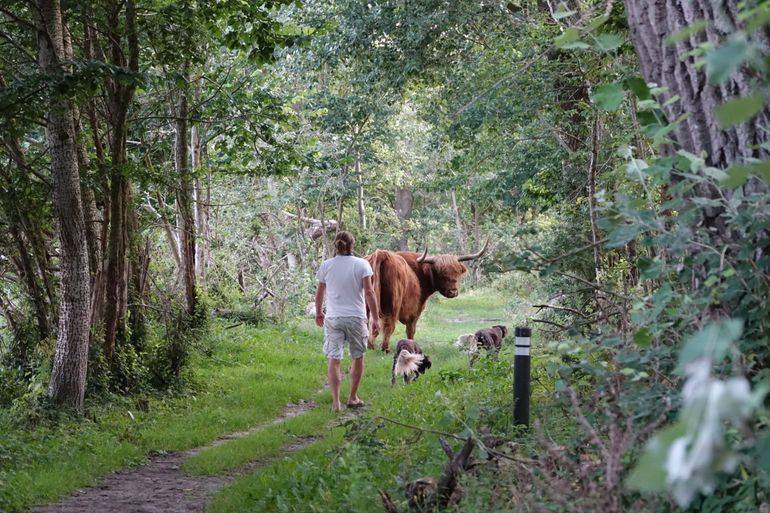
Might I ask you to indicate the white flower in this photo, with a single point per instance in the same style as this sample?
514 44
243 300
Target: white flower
694 458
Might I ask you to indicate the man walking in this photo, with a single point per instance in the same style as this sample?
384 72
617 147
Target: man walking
345 281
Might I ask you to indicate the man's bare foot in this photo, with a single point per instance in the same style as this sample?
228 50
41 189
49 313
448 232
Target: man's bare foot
337 407
355 403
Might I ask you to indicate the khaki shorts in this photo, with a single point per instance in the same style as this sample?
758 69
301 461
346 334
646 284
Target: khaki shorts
338 330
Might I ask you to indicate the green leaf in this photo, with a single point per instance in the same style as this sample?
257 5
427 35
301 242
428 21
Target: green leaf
596 23
608 97
649 474
685 33
737 174
639 87
713 341
608 42
581 45
643 337
739 110
570 35
763 452
562 12
759 18
723 61
660 135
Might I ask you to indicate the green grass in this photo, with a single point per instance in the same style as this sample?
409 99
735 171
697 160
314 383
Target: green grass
250 377
261 445
343 473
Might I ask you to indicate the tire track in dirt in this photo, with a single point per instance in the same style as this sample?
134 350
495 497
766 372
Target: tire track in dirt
160 486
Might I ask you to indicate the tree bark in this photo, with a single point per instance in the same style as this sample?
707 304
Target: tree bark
68 376
458 223
120 94
404 204
201 200
184 199
360 192
651 22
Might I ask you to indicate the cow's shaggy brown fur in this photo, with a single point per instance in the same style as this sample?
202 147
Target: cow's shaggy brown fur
403 286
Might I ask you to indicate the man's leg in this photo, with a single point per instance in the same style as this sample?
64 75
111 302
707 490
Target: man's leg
356 371
335 376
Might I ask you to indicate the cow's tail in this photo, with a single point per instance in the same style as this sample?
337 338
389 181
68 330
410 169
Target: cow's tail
406 363
376 264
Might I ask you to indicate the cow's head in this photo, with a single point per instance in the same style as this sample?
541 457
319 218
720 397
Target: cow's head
448 269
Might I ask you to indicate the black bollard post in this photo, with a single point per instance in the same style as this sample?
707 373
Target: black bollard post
521 386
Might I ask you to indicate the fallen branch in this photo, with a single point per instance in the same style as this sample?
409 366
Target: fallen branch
566 309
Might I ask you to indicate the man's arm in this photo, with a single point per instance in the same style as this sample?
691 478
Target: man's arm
371 303
319 304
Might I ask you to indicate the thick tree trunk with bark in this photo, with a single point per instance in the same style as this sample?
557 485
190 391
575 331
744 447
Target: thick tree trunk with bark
68 376
651 22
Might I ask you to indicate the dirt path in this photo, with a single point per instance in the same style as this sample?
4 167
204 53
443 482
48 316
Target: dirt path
160 487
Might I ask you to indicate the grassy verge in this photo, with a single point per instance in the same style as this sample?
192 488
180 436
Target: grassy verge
343 472
251 375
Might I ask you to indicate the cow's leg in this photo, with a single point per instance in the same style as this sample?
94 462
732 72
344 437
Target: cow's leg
388 327
411 327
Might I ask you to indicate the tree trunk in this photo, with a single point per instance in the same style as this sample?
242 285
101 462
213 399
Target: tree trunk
120 94
68 375
201 200
458 223
360 192
404 204
593 166
184 200
651 22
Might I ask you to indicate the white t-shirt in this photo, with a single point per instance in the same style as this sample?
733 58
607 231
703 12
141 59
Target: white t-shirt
343 275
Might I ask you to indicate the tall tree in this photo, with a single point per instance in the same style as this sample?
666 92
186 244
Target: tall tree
120 23
184 193
68 377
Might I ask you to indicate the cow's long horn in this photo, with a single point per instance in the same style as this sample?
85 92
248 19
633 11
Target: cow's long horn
473 256
425 259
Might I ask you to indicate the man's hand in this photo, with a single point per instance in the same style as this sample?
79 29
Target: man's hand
319 304
374 327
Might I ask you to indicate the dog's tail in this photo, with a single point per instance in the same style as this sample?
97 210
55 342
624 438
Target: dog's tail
407 363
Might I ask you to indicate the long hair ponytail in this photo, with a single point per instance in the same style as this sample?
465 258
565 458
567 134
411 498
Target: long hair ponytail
343 243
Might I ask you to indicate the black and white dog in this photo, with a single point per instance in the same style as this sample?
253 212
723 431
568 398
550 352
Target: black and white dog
409 360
